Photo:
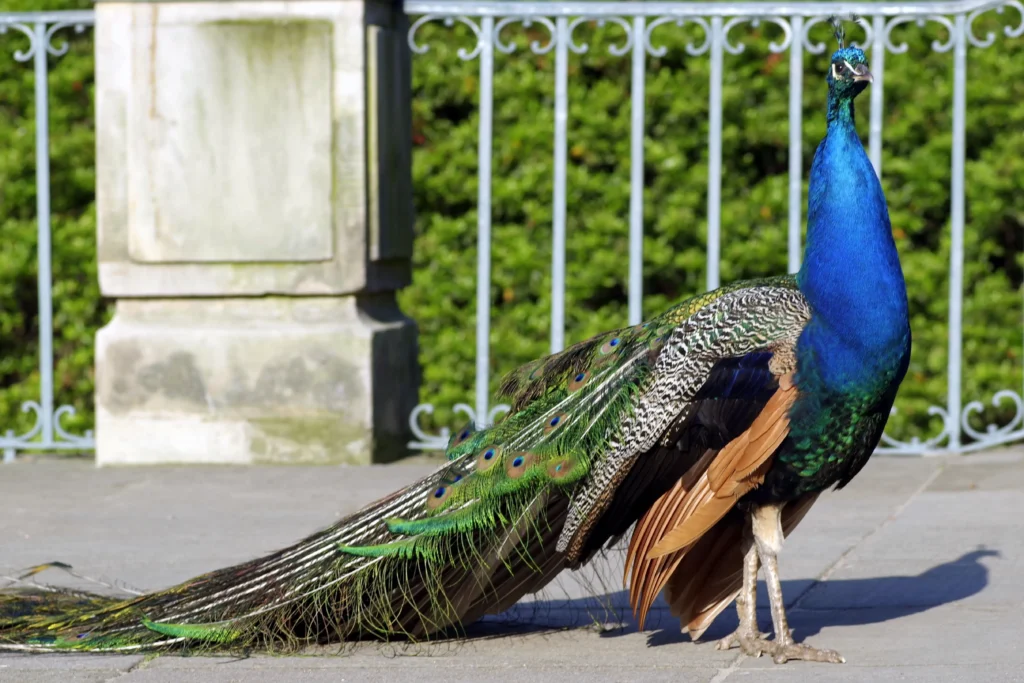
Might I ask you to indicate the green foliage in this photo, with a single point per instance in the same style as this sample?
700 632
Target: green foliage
916 177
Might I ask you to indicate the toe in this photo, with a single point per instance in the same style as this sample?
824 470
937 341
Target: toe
783 653
749 640
727 643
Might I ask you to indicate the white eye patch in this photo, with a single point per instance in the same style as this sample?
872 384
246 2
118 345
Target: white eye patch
848 66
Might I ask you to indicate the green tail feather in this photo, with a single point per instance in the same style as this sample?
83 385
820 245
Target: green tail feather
477 534
205 633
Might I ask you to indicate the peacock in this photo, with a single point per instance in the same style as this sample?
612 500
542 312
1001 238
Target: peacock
707 432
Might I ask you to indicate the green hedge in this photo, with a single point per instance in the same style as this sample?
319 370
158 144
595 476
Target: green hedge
916 178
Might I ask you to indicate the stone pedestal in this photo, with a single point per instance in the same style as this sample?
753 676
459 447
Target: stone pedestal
255 218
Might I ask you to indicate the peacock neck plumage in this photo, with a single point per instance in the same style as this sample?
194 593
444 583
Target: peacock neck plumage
851 271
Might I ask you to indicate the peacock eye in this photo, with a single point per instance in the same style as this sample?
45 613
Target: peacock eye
840 69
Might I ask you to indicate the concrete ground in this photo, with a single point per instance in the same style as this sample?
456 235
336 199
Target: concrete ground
915 572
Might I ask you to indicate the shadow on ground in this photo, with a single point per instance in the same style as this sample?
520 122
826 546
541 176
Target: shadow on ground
813 605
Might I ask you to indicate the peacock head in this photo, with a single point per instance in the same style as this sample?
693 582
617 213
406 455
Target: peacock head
848 74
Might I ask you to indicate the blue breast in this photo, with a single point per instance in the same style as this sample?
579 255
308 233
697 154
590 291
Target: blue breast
851 272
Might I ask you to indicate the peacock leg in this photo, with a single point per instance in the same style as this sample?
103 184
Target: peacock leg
768 536
746 636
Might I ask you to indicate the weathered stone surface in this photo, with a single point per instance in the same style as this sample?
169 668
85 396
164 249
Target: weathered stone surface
232 166
298 380
235 142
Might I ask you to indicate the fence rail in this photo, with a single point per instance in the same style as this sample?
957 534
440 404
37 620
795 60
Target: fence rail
717 22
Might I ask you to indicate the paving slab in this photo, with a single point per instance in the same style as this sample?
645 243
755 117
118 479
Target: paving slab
72 667
912 572
988 673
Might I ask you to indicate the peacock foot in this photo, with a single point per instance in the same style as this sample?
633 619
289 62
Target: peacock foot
785 650
751 641
766 523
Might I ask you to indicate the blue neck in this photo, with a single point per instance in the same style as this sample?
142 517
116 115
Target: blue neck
851 272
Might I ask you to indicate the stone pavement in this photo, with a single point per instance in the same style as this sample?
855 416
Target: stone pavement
915 572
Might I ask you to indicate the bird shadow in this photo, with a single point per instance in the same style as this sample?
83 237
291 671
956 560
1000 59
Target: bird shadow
811 605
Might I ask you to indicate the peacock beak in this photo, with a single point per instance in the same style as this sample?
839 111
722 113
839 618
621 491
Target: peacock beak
861 73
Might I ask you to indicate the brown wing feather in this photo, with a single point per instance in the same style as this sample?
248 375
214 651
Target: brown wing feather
755 446
711 570
661 517
655 524
707 492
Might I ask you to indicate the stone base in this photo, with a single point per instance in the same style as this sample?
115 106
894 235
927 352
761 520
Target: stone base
263 380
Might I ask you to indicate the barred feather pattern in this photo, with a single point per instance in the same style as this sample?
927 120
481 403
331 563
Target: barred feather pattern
508 510
740 322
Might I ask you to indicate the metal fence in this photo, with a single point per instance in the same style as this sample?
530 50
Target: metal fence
638 20
41 29
486 21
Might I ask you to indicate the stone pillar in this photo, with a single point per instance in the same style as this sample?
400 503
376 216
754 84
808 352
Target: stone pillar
255 219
